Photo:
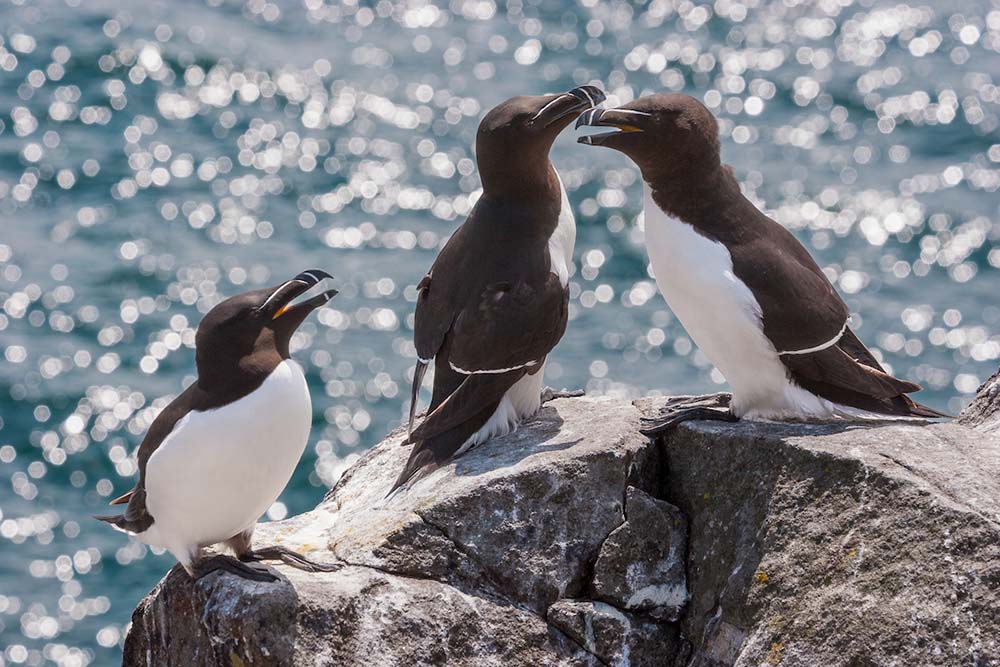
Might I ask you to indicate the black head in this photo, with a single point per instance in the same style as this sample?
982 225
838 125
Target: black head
513 142
666 135
247 335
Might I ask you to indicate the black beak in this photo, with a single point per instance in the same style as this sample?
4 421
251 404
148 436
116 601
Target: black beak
625 121
569 104
278 303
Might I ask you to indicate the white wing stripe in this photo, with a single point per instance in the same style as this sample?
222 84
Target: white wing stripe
823 346
491 370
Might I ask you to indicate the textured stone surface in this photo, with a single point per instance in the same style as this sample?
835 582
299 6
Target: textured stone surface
459 570
641 566
984 412
820 545
357 616
618 638
838 544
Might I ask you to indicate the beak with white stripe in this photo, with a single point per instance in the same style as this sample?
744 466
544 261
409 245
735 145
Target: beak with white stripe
278 305
624 122
566 106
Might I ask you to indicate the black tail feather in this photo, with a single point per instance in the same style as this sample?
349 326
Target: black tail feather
418 378
921 410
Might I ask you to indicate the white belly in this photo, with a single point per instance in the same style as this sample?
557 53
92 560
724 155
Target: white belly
519 403
219 470
722 316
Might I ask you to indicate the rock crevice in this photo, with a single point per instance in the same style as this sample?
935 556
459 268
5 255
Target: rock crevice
576 541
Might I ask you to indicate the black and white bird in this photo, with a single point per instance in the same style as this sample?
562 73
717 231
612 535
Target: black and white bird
495 302
220 453
747 292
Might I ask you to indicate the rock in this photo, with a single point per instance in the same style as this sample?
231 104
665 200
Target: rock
352 617
838 544
819 545
641 565
617 638
459 570
984 412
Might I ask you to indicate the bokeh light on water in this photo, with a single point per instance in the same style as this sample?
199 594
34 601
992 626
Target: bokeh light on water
157 157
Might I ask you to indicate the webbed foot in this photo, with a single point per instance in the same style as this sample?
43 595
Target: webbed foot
549 394
290 558
688 408
223 563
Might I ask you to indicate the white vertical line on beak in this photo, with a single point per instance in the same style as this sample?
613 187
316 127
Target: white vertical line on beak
313 276
543 109
590 99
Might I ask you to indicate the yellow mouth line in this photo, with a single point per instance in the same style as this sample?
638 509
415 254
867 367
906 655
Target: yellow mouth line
628 128
280 312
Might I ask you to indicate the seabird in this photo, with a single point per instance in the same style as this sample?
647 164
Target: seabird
220 453
495 301
747 292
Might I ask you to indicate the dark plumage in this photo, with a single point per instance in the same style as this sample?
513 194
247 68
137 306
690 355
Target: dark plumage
493 304
194 490
673 139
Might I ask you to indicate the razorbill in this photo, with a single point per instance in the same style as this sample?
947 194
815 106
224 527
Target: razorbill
747 292
220 453
495 301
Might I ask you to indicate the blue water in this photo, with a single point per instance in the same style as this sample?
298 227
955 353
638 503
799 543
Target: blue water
158 156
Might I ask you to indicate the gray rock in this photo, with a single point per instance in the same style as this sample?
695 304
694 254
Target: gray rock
459 569
641 566
821 545
838 544
357 616
618 638
984 412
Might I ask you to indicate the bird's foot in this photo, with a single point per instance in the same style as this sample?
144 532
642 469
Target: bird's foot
687 408
223 563
549 394
290 558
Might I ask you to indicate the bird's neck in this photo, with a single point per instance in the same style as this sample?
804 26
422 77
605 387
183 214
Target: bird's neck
529 180
228 379
705 199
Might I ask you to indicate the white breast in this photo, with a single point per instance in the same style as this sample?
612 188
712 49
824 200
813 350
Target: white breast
219 470
722 316
563 239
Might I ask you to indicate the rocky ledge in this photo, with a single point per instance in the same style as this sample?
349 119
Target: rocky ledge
576 541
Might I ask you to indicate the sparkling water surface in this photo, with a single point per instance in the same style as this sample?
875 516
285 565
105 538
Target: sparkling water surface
156 157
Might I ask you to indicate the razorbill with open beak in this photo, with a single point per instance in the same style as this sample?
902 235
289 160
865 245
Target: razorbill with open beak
495 301
220 453
747 292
